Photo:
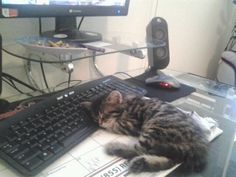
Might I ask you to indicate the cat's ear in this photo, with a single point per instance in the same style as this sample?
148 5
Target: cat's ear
115 97
86 104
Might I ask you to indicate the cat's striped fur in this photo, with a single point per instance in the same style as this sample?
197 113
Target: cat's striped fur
166 136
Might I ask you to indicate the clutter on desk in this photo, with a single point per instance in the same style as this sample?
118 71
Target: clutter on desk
209 126
55 46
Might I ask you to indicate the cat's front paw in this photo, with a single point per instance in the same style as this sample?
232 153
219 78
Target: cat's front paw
120 150
114 149
138 164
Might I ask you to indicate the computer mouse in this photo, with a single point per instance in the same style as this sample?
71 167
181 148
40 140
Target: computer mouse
4 105
163 83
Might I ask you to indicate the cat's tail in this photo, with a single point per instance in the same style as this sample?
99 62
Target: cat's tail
193 156
196 158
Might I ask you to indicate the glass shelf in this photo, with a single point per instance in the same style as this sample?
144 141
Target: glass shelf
16 49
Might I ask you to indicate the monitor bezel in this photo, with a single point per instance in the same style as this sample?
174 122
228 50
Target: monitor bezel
25 10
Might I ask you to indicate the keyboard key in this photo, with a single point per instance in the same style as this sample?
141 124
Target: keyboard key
11 137
3 142
70 139
30 154
55 148
7 146
33 163
44 155
17 151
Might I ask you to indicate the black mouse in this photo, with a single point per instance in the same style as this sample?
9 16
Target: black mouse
4 105
164 82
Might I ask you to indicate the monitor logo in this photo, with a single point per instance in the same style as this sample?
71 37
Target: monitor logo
74 11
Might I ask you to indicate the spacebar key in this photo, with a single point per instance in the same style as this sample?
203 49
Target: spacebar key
74 137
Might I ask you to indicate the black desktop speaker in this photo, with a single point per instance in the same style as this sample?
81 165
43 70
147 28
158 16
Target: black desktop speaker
156 33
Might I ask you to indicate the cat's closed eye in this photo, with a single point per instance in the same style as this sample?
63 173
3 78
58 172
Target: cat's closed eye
111 114
104 115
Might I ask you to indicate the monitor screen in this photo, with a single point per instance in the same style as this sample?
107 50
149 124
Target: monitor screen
52 8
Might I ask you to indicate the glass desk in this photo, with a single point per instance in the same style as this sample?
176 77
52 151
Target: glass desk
32 51
210 99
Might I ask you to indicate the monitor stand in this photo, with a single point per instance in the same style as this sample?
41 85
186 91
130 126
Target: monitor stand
66 28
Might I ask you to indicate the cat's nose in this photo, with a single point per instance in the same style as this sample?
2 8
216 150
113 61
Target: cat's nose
100 121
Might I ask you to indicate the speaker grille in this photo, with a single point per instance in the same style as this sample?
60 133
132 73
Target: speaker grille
161 53
157 31
159 34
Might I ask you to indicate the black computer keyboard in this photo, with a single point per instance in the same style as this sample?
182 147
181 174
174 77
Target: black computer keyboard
34 138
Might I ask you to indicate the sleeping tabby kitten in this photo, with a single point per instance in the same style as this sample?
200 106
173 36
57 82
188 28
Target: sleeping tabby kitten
165 135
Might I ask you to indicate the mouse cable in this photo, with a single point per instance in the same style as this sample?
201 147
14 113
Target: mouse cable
131 77
66 82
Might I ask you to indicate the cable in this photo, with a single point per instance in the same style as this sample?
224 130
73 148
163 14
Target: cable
40 26
80 23
156 8
15 79
8 82
44 76
232 43
79 81
232 38
20 82
69 78
12 84
131 77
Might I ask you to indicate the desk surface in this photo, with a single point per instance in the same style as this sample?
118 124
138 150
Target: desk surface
210 99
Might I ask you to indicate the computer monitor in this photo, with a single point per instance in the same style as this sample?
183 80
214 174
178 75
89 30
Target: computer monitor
65 12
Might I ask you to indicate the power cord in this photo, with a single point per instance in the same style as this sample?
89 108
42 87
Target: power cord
80 23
